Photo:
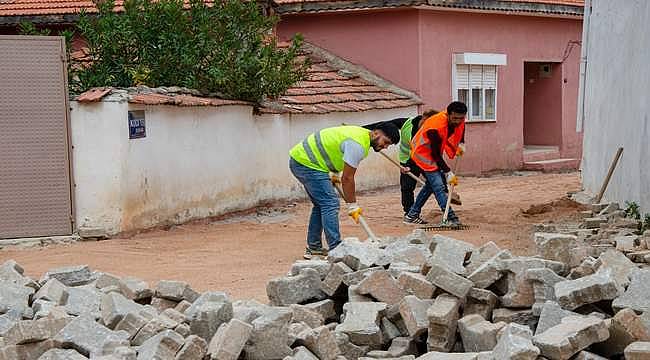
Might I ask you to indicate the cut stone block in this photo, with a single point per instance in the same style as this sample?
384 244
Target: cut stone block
135 289
14 298
515 343
572 294
443 319
114 307
354 296
416 284
557 247
361 322
627 243
131 323
295 289
520 290
639 350
551 315
620 266
60 354
107 280
229 340
321 342
594 222
194 348
324 307
477 333
586 355
543 281
269 337
637 294
435 355
396 269
381 286
164 345
333 282
414 314
480 255
306 315
588 266
348 349
449 281
625 328
88 337
153 327
488 272
481 302
184 330
355 254
163 304
183 306
207 313
402 346
29 331
10 271
449 253
519 316
175 291
301 353
83 300
322 266
71 275
27 351
356 277
53 291
570 337
404 253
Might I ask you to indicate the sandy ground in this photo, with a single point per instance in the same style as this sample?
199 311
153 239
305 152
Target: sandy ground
238 254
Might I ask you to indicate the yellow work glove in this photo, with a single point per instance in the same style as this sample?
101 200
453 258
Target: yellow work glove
452 179
335 179
460 151
354 211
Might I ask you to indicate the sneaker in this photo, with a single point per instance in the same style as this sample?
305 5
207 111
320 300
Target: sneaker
413 220
455 199
314 253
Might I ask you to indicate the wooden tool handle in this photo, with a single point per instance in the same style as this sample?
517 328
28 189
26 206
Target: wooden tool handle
422 182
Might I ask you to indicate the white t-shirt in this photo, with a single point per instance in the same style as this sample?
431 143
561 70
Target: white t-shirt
353 152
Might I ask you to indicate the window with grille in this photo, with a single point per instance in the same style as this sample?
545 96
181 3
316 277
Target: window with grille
476 86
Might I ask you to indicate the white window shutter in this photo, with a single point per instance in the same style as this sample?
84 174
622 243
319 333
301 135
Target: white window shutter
462 76
476 76
489 76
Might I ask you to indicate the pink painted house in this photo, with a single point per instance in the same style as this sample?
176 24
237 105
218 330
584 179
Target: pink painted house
515 63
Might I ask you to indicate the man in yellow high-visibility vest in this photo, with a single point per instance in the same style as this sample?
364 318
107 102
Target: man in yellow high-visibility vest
333 150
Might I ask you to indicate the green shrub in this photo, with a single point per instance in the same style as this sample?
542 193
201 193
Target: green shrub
632 210
226 49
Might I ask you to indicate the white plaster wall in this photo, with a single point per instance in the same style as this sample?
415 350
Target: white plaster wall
195 161
616 100
99 135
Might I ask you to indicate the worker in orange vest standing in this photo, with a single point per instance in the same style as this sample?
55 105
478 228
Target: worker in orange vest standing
443 133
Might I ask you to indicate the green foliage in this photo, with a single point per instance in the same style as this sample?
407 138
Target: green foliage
646 223
226 49
632 210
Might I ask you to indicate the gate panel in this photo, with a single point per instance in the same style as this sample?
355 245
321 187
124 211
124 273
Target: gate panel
35 192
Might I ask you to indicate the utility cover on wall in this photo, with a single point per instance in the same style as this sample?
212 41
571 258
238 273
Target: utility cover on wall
137 127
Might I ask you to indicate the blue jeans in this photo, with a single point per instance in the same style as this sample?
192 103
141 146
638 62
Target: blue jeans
325 213
436 185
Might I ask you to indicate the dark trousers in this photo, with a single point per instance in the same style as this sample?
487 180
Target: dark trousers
407 186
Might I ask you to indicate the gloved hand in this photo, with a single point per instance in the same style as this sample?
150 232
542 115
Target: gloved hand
452 179
460 151
354 211
335 179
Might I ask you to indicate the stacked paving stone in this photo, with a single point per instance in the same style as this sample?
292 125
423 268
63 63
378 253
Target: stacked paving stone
586 295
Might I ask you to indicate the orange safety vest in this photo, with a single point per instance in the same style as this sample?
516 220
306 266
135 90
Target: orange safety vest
421 151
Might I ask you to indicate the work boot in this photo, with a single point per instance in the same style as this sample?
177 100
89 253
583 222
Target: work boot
455 199
417 220
314 253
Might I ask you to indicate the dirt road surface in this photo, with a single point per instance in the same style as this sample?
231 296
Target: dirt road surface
238 254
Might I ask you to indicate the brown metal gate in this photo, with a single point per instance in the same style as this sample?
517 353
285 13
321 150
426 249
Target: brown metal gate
35 193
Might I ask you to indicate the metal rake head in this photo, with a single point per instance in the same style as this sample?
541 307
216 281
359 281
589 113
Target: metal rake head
446 227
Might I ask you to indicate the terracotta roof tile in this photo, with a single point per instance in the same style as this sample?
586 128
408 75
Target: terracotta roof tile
56 7
94 95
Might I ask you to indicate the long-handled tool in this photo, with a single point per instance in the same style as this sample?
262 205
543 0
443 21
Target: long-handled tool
445 225
362 220
455 199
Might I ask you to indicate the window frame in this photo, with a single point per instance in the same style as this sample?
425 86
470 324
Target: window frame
477 59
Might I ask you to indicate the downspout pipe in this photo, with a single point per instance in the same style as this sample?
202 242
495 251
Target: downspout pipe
583 66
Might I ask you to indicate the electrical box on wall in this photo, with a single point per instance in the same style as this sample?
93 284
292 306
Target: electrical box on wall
545 70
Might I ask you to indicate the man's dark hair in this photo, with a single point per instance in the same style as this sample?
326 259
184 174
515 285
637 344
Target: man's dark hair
390 130
457 107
